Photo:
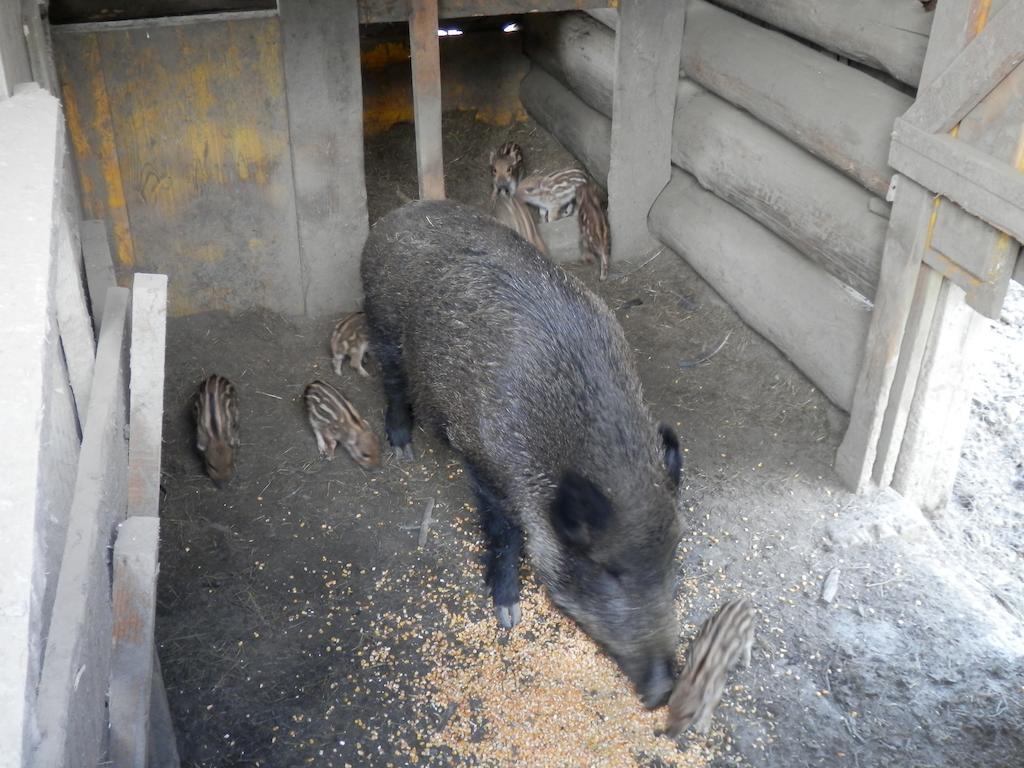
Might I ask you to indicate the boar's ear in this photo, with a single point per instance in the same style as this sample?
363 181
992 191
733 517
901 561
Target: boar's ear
579 512
673 456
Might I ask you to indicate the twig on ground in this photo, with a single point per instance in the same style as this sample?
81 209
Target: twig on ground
425 525
704 358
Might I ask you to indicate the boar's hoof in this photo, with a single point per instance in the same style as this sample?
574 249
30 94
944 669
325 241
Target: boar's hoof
508 615
404 453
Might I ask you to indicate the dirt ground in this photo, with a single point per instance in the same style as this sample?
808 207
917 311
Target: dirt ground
300 623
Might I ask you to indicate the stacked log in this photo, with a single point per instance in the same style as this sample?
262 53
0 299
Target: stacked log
781 151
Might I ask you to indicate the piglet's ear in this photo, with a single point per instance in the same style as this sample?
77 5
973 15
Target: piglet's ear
580 513
673 455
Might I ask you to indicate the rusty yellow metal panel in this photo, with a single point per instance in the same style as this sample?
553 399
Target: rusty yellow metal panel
180 132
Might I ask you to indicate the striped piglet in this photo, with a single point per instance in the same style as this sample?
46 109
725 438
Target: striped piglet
334 420
217 427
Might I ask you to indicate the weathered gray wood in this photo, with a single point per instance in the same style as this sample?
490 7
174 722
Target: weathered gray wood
988 188
970 253
325 122
978 68
908 368
163 745
15 67
70 702
584 131
1018 271
607 16
377 11
914 214
815 320
904 247
149 333
578 51
797 196
73 317
839 114
886 35
99 266
40 50
134 612
426 97
647 47
938 416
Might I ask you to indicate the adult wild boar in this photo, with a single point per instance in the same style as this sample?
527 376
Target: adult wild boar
527 375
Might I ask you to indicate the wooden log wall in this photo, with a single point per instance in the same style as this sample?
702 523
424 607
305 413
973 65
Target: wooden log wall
783 133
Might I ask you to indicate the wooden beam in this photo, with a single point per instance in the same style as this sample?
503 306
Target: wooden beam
904 248
832 110
908 369
75 679
584 131
99 267
884 35
979 68
149 333
647 50
131 673
325 124
163 744
378 11
426 96
976 181
810 316
799 197
73 317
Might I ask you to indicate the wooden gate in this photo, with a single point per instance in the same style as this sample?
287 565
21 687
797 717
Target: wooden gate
952 248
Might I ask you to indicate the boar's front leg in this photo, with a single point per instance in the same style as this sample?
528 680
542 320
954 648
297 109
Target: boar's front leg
398 414
505 546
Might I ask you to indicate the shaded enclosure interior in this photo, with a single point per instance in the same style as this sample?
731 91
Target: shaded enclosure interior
310 614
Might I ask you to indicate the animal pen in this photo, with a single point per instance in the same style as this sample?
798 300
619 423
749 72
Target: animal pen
816 212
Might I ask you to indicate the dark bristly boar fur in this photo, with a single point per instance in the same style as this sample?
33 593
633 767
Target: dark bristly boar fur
528 376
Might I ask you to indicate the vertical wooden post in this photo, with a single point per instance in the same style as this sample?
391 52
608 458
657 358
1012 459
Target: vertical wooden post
131 673
426 95
647 50
913 396
323 79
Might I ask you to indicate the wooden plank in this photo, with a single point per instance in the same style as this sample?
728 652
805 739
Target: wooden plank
891 37
988 188
149 334
163 745
583 131
73 319
70 699
976 70
325 129
99 267
938 417
810 316
1018 271
40 49
86 105
904 247
578 51
134 612
985 297
799 197
377 11
15 67
837 113
426 96
647 49
894 424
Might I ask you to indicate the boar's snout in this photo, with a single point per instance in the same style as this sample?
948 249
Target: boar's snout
656 683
